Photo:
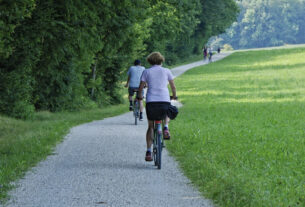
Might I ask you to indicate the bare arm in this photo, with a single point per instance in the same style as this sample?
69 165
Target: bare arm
173 87
142 84
126 85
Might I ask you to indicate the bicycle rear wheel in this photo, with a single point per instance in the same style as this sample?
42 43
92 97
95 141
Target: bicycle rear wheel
159 150
136 112
135 120
155 144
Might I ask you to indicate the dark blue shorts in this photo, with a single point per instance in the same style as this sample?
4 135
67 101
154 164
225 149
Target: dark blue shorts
132 90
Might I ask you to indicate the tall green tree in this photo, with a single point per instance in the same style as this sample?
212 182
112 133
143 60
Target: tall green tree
65 55
15 69
263 23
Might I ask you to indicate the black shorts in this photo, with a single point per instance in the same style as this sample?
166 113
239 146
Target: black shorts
132 90
157 110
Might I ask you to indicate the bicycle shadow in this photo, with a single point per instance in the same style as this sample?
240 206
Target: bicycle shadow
130 166
125 121
136 166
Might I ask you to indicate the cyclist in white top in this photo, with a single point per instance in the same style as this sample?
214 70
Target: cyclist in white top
133 82
156 79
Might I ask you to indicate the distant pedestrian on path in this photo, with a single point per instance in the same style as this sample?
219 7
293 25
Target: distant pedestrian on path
205 52
210 54
218 50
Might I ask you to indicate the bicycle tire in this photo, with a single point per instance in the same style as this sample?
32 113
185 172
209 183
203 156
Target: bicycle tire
135 112
159 151
155 147
136 120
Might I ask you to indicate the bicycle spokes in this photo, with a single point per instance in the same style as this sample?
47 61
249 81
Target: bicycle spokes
157 144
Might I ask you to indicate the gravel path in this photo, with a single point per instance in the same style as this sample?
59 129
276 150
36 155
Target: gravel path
102 164
181 69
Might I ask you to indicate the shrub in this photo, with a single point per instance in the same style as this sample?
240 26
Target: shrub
227 47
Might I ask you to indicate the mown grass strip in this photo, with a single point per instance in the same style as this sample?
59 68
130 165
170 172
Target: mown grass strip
24 143
240 136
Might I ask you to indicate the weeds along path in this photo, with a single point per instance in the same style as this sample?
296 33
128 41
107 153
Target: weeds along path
102 164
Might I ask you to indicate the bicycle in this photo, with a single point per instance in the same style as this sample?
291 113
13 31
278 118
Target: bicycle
136 107
158 140
136 110
158 143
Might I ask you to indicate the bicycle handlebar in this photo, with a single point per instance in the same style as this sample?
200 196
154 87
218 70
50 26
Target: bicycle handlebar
173 98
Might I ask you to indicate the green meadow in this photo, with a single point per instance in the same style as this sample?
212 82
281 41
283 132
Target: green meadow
23 143
240 136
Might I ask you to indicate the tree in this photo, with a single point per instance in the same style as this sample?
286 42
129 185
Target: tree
65 55
263 23
15 70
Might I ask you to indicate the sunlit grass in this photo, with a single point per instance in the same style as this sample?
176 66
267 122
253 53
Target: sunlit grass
240 135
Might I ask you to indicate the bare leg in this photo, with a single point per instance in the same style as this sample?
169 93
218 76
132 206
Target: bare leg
130 98
166 121
150 134
141 106
166 134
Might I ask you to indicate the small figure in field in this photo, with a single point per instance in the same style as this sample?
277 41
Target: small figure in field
210 54
218 50
205 52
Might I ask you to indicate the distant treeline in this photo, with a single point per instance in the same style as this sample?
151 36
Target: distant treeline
264 23
66 55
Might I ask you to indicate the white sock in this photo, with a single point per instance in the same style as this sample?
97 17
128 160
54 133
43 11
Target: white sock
166 126
148 149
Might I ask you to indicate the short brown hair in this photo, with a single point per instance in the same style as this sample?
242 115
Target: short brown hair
155 58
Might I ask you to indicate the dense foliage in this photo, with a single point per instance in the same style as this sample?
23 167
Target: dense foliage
263 23
64 55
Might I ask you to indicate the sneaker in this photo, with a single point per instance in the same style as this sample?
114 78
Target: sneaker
130 108
141 117
166 134
148 157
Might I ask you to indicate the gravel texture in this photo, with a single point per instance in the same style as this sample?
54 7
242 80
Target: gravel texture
102 164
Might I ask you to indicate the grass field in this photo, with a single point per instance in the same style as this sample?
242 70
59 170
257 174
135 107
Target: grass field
24 143
240 136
